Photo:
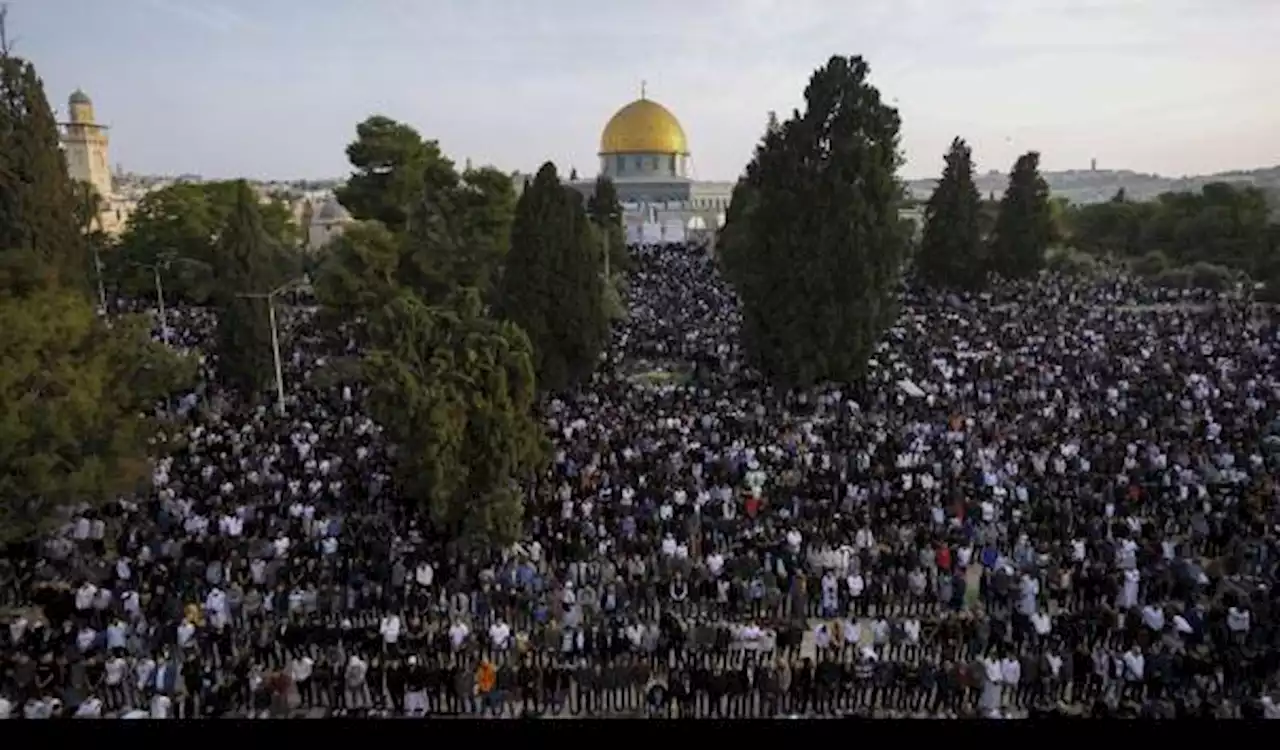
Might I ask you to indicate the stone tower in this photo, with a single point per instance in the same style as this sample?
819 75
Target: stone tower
85 143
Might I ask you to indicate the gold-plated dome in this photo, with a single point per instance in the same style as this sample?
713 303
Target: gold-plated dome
643 127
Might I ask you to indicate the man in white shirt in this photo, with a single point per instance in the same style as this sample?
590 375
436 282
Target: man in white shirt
300 668
1134 672
458 634
356 686
499 635
390 629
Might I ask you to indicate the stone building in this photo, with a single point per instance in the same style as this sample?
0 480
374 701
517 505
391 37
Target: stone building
323 219
646 153
85 146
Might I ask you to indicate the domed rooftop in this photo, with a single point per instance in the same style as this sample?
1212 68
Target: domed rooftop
643 127
79 97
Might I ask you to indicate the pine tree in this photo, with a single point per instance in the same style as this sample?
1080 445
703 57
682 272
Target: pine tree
39 234
951 251
812 242
1024 226
245 359
553 286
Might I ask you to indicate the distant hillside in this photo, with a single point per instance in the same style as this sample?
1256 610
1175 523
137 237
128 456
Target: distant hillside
1090 186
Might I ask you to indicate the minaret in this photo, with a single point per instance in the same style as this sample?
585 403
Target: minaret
85 143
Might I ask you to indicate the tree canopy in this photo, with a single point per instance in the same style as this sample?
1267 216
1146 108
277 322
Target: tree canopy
1222 224
1024 226
440 230
245 361
455 390
393 166
178 226
553 287
74 388
73 397
812 241
39 231
951 251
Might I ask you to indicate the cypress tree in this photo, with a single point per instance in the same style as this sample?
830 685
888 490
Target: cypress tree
1024 226
606 214
951 251
39 235
245 358
552 286
812 241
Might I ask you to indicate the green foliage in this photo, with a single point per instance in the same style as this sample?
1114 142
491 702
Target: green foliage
178 227
812 241
393 165
73 386
951 250
456 391
459 234
553 287
360 271
39 231
245 361
440 230
1195 276
1223 224
1024 226
73 391
454 388
1150 264
1071 262
606 214
487 202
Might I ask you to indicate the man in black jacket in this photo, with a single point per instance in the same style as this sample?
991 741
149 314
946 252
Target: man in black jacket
827 677
802 687
415 687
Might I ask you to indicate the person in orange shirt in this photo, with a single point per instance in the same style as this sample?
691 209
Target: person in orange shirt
486 679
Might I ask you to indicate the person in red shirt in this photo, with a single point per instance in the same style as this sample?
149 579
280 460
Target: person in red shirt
943 557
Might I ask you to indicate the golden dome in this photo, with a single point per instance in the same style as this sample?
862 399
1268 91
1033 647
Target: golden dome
643 127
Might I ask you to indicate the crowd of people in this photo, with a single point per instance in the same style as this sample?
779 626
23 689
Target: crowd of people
1054 497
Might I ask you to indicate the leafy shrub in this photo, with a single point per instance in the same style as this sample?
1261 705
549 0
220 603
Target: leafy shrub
1173 278
1210 276
1071 262
1151 264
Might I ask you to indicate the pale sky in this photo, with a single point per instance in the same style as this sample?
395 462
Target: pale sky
274 88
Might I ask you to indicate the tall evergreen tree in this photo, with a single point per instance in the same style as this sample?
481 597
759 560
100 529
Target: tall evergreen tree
951 251
74 388
245 360
1024 226
39 233
553 286
606 214
812 241
456 390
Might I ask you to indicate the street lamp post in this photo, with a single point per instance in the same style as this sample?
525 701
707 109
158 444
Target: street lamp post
164 320
162 262
270 297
